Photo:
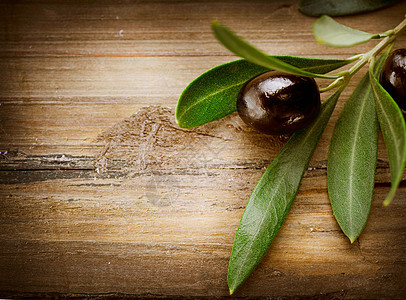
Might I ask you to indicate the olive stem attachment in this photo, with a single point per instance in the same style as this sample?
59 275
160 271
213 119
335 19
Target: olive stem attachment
366 57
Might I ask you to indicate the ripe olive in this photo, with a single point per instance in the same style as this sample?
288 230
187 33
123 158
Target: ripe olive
279 103
393 76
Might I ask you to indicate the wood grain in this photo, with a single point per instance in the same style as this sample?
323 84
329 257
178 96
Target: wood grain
103 196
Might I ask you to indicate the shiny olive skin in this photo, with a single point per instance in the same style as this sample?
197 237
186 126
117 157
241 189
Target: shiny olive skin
279 103
393 76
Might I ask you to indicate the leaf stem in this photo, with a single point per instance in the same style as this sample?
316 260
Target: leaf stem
386 33
336 83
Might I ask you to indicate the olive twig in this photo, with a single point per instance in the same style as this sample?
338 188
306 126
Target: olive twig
346 75
377 49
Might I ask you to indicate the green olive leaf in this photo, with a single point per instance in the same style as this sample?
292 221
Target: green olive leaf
316 8
272 197
352 160
329 32
241 48
393 129
213 95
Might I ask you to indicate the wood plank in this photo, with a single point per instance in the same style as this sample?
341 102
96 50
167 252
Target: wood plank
133 240
102 195
165 27
163 214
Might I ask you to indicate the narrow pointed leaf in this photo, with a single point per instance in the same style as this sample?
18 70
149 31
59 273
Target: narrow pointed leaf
242 48
329 32
352 161
272 197
213 95
393 130
317 8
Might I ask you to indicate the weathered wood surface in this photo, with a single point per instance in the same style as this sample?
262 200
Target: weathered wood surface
102 195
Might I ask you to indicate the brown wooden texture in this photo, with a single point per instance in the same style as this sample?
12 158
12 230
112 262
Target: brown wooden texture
102 195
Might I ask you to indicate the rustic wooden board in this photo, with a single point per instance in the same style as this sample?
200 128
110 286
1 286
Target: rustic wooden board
102 195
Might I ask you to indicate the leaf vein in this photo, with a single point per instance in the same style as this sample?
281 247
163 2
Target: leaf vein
209 95
392 131
352 161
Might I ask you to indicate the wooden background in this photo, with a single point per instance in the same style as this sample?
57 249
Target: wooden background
102 195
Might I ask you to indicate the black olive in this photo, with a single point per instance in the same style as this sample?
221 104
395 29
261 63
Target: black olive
279 103
393 76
